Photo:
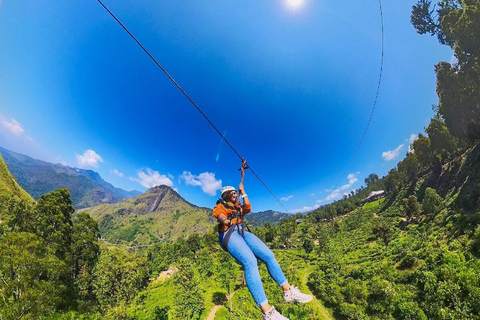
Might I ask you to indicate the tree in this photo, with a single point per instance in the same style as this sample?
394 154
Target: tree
160 313
371 179
393 181
432 203
118 277
442 142
384 232
85 242
307 244
411 206
410 166
19 216
54 221
85 251
423 151
30 277
189 303
456 24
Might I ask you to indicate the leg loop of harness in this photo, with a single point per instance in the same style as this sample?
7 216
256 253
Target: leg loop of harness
228 233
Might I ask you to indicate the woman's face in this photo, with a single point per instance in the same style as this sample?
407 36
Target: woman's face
232 196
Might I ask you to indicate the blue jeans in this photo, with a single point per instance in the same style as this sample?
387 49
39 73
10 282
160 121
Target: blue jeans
247 250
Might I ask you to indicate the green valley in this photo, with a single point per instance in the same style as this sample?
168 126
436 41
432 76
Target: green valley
414 254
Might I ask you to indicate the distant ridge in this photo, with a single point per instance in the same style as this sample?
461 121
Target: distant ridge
259 219
38 177
159 214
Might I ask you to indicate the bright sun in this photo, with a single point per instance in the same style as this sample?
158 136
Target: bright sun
295 3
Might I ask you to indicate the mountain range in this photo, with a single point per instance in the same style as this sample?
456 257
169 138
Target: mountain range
259 219
159 214
38 177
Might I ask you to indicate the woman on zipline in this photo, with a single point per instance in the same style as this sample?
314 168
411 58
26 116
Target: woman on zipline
245 247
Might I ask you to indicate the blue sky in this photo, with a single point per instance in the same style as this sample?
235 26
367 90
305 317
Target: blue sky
291 87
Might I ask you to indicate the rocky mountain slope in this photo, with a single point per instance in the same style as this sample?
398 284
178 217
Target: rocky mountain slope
159 214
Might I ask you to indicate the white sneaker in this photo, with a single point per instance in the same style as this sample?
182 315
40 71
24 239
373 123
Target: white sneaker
273 314
294 295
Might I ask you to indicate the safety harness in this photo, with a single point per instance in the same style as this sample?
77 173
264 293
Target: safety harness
240 225
237 215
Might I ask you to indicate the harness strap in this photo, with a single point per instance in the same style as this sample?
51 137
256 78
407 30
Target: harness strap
240 226
230 230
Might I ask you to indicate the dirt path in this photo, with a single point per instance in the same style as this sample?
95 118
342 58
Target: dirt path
324 313
213 312
164 275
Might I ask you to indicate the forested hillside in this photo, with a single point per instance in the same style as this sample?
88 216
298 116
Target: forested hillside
259 219
414 254
159 214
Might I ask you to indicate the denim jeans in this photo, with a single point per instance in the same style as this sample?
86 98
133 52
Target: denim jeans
247 250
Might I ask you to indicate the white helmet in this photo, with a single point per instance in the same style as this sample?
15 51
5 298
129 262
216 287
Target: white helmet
227 189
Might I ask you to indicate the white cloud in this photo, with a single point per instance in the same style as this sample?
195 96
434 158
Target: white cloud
334 195
151 178
345 186
286 198
205 180
412 139
13 127
305 209
392 154
89 159
351 180
117 173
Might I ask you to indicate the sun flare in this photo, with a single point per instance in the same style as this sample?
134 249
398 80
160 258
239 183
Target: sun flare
295 3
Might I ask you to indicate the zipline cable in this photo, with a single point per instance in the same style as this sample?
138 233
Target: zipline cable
374 103
187 96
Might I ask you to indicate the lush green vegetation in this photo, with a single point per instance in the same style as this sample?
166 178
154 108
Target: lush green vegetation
159 214
413 255
9 187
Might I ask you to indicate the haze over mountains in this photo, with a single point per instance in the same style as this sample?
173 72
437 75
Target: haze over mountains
38 177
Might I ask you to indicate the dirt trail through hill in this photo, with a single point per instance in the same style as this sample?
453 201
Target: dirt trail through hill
324 313
213 312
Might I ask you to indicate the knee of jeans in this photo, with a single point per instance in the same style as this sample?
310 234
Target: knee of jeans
269 256
250 262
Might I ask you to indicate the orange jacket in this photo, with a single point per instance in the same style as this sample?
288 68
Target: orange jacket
221 213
